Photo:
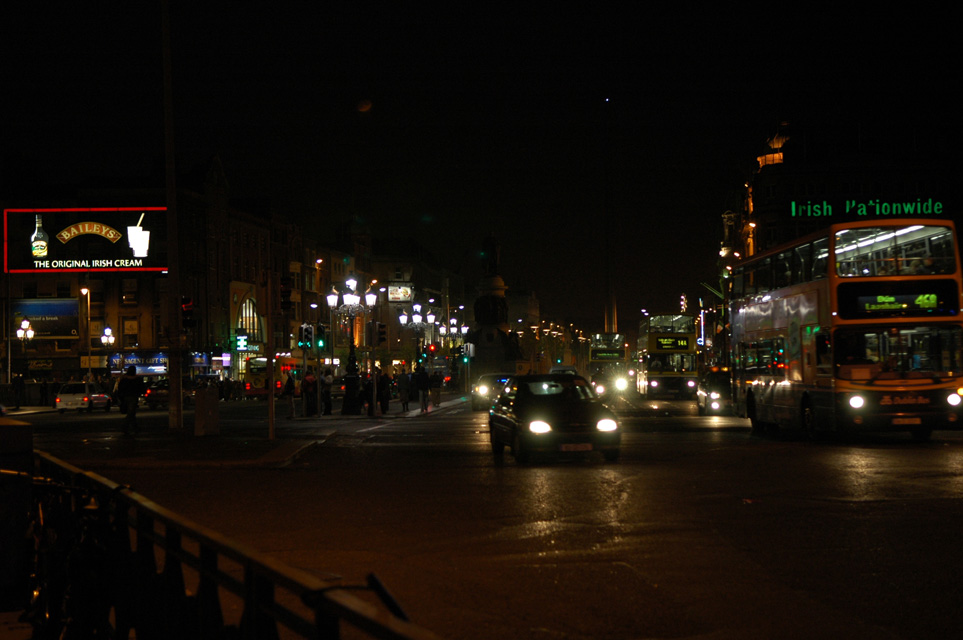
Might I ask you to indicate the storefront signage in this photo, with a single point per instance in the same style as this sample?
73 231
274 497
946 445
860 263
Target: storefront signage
878 207
147 364
104 239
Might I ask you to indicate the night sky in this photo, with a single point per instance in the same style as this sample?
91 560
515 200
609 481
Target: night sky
561 132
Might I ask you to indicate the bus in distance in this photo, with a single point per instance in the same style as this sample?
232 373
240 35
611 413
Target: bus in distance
668 362
855 328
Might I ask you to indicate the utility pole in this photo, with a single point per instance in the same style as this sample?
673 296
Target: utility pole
175 356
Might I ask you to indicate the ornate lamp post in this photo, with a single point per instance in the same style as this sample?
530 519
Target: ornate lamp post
350 305
418 322
25 334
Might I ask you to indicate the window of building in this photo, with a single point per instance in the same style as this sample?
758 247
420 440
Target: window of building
128 291
130 327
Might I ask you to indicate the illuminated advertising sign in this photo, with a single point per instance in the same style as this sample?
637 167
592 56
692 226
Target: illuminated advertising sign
400 293
147 364
49 317
117 239
672 343
865 208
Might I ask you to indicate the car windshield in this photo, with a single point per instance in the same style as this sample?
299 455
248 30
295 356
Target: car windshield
563 390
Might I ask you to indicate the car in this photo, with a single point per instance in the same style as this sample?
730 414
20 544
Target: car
714 394
552 413
82 396
486 388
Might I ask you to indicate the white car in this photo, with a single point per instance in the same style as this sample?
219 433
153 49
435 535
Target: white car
82 396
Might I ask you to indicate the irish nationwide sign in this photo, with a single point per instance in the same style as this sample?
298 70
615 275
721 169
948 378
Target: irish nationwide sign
103 239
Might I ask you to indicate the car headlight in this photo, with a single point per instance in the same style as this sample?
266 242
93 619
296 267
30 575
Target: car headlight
539 426
607 424
954 399
654 383
857 402
714 395
483 390
599 389
691 383
621 384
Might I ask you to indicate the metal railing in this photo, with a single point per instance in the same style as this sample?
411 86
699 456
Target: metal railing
109 557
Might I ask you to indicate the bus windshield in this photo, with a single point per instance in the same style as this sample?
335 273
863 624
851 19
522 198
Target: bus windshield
885 251
890 353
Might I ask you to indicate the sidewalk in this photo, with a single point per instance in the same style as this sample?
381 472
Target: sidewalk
233 447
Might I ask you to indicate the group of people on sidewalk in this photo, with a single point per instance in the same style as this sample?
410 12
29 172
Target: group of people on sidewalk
417 385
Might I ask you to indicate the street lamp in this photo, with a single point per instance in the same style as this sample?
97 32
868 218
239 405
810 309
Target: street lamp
350 305
25 333
86 293
108 338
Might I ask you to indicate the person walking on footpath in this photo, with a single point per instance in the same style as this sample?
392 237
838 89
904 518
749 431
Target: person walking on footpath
129 389
19 390
423 384
404 388
435 384
327 382
309 393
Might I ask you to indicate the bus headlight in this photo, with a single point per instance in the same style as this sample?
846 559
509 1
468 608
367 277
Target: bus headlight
714 395
954 399
539 426
857 402
691 383
621 384
606 424
654 383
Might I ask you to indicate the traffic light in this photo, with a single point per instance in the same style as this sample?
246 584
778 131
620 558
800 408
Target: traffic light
319 336
382 333
306 336
431 349
187 311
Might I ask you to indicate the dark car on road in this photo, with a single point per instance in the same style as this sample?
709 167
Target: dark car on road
714 394
552 413
486 389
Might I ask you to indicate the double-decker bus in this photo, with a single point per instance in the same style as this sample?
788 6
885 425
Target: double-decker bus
668 362
857 327
609 363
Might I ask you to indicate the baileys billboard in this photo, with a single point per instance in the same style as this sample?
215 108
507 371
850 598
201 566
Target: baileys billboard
96 239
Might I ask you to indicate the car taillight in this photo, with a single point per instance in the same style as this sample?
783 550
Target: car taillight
86 398
247 386
147 393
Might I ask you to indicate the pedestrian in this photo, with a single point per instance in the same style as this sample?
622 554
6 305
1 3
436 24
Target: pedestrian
367 394
288 392
384 391
44 392
423 385
434 383
327 384
19 390
129 389
309 393
404 388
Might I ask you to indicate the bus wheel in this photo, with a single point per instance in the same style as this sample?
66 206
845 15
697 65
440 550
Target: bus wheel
921 435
